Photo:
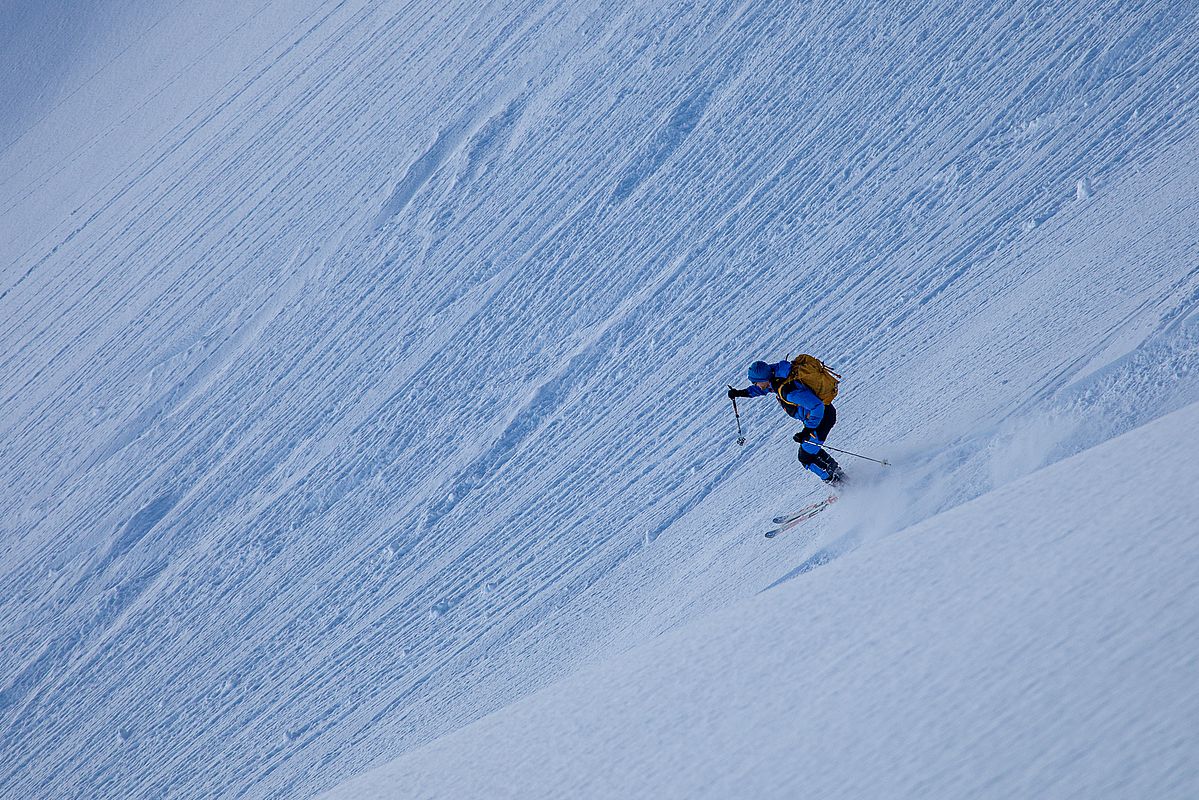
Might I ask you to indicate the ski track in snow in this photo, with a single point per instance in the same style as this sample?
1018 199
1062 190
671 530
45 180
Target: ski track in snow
362 370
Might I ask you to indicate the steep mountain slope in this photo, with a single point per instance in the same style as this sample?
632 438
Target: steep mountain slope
362 363
1037 641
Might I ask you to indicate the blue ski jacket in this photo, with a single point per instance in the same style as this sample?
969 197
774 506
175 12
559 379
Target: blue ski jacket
808 407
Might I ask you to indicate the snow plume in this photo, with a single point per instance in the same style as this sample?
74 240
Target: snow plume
921 483
1030 446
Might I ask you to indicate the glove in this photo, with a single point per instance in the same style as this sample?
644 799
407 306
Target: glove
802 436
734 393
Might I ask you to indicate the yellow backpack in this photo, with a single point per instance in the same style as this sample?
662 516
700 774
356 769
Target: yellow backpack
812 373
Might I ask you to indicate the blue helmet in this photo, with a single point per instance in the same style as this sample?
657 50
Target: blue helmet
760 371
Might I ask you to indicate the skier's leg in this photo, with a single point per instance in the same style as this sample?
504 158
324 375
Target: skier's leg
820 463
813 455
812 443
821 431
813 438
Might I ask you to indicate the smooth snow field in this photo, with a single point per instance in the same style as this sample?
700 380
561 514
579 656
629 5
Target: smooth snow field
363 425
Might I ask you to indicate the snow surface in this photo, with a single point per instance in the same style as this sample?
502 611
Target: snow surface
362 364
1038 641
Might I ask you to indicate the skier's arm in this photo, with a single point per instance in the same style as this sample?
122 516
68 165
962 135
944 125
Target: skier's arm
752 391
813 416
809 410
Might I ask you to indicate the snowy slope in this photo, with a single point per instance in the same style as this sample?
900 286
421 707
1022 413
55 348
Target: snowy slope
362 363
1036 642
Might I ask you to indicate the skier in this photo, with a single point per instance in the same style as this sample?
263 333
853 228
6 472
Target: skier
802 403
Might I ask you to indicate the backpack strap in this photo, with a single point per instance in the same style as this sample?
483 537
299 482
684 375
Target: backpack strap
787 405
828 369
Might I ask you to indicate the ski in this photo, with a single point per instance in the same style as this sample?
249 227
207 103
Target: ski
806 510
786 522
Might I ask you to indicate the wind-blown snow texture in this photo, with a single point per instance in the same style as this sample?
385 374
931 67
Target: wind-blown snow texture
362 364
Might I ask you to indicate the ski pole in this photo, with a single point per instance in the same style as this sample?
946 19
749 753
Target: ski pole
884 461
740 435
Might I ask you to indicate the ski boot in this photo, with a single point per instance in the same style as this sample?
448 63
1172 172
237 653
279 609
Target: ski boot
837 478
